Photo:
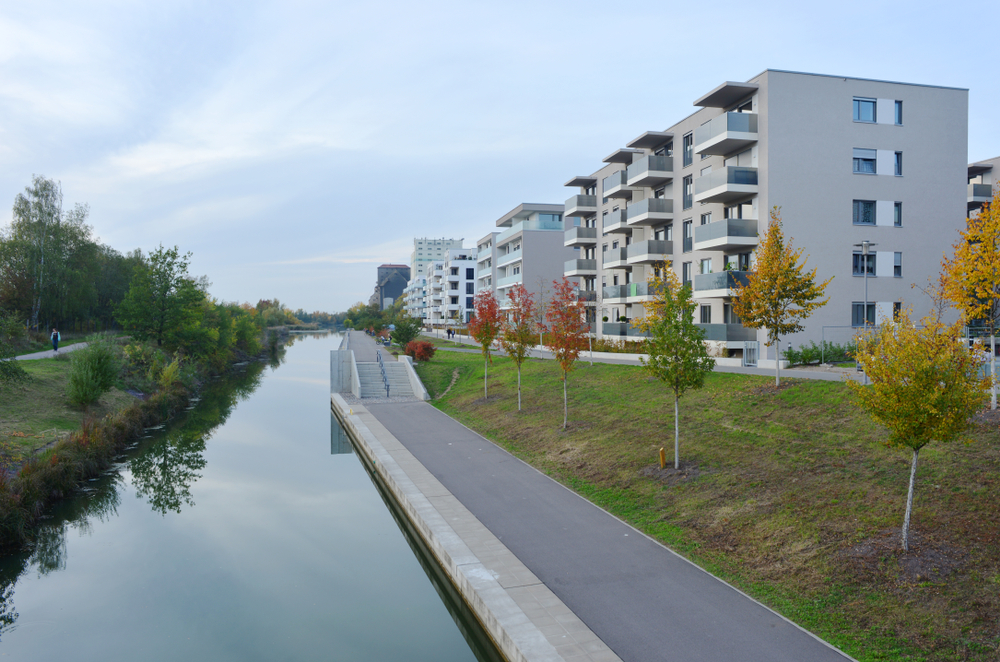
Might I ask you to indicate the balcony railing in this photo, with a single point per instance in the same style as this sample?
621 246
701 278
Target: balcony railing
726 183
616 258
615 222
531 224
614 292
580 205
509 280
650 171
512 256
580 268
727 332
642 290
729 233
485 273
615 185
614 328
726 133
719 284
978 194
484 254
580 236
650 251
651 211
588 296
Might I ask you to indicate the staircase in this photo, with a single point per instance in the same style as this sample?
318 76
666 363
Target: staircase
372 385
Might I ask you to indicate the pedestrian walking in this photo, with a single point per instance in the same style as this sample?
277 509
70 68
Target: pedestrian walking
55 340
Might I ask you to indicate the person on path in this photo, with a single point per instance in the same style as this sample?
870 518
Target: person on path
55 340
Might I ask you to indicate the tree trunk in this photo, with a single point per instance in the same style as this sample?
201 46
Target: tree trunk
565 404
909 502
993 370
777 362
590 346
519 388
486 376
677 435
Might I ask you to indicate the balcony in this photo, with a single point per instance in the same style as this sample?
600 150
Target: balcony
484 254
580 237
615 185
731 234
616 258
588 297
614 329
507 258
437 285
609 292
727 332
636 332
484 273
650 251
651 211
639 292
508 281
615 222
581 205
726 134
726 184
650 171
715 286
580 268
979 194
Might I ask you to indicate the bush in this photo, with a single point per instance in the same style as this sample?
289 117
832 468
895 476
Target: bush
93 371
619 346
825 351
420 350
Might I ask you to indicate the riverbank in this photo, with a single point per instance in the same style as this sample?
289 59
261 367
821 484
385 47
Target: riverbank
786 494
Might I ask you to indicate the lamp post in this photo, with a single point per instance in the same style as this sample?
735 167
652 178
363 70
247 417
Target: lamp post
865 247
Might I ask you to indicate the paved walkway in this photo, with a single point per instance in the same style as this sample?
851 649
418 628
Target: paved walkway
364 346
48 354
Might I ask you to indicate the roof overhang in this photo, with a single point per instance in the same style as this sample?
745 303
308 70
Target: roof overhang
726 94
979 168
651 140
581 181
526 209
622 155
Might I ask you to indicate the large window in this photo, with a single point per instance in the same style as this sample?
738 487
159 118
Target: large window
859 264
470 274
858 314
688 236
899 164
688 149
688 200
706 265
864 212
706 218
864 110
686 273
864 161
706 314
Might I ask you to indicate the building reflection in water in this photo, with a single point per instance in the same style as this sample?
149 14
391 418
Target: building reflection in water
340 443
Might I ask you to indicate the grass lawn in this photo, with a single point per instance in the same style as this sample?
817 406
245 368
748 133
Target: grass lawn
786 494
38 412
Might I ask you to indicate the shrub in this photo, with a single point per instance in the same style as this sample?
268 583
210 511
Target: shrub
826 351
93 371
420 350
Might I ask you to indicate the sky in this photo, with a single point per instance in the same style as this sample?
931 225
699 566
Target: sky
292 147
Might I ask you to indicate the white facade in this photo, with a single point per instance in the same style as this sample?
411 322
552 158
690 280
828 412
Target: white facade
451 288
426 250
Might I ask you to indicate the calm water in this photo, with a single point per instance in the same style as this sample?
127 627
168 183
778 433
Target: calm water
245 530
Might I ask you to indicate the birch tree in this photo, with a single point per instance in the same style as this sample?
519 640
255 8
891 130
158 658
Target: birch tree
37 214
779 293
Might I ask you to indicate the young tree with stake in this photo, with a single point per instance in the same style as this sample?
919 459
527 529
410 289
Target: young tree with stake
779 294
518 332
567 331
484 327
677 352
924 387
972 277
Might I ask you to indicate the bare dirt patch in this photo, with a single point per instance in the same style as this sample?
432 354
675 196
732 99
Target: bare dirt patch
928 560
671 476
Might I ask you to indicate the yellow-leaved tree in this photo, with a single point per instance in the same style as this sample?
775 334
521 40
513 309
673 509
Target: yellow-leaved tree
972 277
924 386
779 293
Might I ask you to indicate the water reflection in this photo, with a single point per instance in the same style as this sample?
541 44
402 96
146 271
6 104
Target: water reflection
340 443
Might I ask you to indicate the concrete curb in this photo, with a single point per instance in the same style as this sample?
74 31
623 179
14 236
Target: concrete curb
525 620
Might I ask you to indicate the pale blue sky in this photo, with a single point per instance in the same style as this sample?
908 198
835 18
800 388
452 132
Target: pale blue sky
294 146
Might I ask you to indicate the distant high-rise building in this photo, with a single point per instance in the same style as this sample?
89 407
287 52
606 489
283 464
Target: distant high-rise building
427 250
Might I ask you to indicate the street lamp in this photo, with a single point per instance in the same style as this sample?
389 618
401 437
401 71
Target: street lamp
865 247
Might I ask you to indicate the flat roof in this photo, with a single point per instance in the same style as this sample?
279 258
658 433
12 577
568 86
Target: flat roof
651 139
580 180
525 209
726 94
621 155
870 80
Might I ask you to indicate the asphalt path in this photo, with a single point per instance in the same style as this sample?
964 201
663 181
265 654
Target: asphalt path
49 354
643 600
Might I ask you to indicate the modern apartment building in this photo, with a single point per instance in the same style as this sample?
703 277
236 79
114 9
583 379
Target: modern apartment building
847 160
528 250
451 288
984 178
426 250
414 297
486 262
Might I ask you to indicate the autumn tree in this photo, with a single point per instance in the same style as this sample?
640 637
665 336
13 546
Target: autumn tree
779 293
567 330
518 332
485 326
924 386
972 277
677 352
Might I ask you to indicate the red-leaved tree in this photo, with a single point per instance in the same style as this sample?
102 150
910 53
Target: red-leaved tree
518 333
567 330
485 327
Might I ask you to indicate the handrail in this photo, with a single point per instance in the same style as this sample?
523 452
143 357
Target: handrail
385 380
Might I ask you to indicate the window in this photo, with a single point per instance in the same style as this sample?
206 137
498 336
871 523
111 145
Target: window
706 265
660 192
742 210
706 314
470 274
454 301
864 161
688 192
454 271
470 288
897 265
899 164
706 218
604 248
614 244
897 214
688 149
685 273
899 112
897 307
669 232
864 212
517 270
858 314
864 110
859 264
688 236
470 302
728 315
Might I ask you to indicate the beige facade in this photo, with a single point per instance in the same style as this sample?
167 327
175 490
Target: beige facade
984 179
847 160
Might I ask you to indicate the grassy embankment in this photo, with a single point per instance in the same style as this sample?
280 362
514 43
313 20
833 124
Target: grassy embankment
786 494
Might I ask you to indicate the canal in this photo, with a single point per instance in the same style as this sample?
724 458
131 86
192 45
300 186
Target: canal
246 529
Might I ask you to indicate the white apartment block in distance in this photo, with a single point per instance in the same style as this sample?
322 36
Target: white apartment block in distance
486 262
451 288
529 250
414 298
984 178
848 160
426 250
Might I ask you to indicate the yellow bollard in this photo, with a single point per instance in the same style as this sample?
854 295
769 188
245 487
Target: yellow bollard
663 459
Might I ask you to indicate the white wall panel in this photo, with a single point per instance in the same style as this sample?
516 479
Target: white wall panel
885 162
884 263
885 111
885 212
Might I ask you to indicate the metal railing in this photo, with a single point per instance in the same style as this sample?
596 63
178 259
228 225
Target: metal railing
735 122
385 380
